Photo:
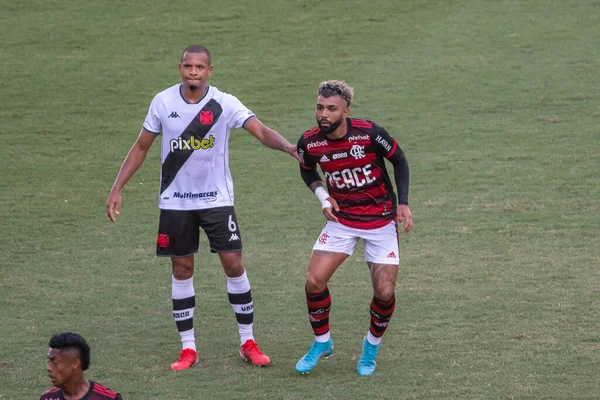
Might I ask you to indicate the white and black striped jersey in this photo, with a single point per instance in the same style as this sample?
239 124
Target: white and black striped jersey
195 153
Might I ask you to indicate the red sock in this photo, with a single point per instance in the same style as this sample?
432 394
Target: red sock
381 313
319 305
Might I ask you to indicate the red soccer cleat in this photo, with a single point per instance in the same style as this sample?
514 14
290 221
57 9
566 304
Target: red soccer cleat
187 358
249 351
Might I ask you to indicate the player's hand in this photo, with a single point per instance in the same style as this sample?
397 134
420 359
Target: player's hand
328 213
404 217
113 205
291 150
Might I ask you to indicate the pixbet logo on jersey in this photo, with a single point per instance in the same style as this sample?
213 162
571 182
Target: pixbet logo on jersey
192 143
316 144
358 137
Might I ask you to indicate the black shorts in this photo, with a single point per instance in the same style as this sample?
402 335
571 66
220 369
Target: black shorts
179 231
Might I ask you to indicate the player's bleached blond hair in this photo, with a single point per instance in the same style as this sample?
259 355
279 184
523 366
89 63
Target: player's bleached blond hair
336 88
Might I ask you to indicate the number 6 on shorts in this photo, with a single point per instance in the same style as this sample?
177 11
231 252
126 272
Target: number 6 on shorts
231 224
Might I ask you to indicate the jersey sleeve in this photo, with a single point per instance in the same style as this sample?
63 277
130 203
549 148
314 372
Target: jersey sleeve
308 170
152 122
238 114
307 161
384 144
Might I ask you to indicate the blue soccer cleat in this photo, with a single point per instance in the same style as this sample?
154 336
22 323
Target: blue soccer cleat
366 364
317 351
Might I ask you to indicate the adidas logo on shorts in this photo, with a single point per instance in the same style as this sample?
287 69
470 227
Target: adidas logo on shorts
391 255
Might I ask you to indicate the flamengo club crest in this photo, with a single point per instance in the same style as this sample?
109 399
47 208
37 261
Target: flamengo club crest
323 238
357 151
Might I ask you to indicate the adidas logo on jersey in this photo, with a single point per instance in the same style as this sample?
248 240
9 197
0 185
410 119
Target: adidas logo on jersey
392 255
324 158
233 237
174 115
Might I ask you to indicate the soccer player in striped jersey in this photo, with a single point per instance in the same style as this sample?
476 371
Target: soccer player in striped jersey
68 358
359 203
196 191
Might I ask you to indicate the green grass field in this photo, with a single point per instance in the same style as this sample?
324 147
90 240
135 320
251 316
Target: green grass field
496 104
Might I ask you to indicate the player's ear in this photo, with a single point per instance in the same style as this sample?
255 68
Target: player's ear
76 363
346 112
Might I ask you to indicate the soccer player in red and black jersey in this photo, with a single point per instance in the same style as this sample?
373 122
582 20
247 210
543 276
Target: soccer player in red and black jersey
359 203
68 357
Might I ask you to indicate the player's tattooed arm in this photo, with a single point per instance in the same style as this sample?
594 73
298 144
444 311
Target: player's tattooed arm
316 184
328 203
384 279
310 177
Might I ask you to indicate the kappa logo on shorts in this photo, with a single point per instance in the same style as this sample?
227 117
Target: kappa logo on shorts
162 240
233 237
392 255
323 238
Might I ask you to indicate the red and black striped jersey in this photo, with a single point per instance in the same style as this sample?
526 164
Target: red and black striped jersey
96 392
355 171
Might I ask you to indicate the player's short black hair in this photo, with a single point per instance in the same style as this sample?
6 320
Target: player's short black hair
196 48
70 340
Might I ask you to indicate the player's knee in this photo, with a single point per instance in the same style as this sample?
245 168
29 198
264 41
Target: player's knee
315 285
233 271
233 266
182 268
384 293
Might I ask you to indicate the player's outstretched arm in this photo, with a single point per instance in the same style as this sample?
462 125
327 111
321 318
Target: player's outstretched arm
132 162
270 138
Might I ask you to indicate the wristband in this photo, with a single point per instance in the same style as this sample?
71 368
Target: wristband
322 195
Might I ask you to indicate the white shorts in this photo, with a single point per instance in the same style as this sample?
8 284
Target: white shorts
381 244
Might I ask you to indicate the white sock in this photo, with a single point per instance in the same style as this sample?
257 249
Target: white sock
184 304
323 338
240 298
374 340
